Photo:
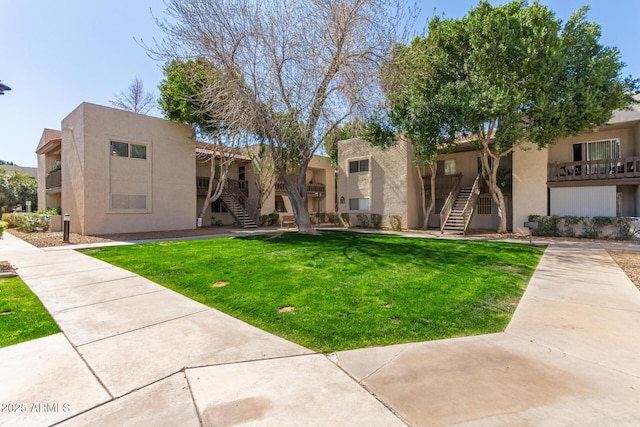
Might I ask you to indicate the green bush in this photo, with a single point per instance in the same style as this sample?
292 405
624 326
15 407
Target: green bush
273 218
569 224
345 219
10 219
363 219
3 226
333 218
265 220
33 221
592 227
395 221
376 220
623 229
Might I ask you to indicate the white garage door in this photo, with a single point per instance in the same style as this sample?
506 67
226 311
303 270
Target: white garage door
583 201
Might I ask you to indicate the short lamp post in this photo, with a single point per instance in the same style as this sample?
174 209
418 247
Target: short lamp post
65 228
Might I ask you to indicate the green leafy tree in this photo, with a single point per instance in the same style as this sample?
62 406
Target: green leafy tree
185 85
348 130
506 75
16 188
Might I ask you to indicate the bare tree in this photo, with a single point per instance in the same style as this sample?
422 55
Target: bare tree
295 69
220 156
135 99
264 175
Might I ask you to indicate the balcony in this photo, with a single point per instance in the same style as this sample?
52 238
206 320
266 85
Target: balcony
53 181
311 188
621 170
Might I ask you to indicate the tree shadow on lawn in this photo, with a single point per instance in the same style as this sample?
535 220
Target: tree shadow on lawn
384 250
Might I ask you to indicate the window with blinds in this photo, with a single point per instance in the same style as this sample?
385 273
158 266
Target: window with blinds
597 150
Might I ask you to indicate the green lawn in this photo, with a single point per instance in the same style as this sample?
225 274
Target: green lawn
343 290
22 315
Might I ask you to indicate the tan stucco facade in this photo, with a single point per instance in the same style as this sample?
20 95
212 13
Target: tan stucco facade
392 187
106 193
123 172
529 181
391 184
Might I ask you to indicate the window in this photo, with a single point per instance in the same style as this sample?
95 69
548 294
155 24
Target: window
123 149
359 204
450 167
280 206
138 151
119 149
485 206
128 201
597 150
359 166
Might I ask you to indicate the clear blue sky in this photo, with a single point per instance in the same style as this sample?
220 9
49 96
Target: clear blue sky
56 54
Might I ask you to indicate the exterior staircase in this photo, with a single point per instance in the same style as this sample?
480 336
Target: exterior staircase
236 210
456 223
458 208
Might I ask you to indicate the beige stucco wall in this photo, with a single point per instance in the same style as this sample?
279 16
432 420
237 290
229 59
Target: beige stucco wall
319 171
90 175
389 183
562 151
529 180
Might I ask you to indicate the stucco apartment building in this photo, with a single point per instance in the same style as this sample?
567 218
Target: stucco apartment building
594 174
114 171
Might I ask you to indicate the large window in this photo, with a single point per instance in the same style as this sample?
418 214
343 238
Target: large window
597 150
359 204
359 166
124 149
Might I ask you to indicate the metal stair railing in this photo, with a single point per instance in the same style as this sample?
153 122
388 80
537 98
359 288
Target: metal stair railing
471 203
448 204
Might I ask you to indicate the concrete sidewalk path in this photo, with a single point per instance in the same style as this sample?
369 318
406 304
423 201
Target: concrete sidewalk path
135 353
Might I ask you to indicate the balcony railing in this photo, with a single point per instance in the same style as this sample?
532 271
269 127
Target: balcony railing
444 184
232 185
311 188
618 168
54 180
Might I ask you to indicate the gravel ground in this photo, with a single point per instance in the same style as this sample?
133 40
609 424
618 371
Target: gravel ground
628 260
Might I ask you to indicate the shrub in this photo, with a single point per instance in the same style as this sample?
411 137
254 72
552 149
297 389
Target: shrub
345 219
274 217
56 168
593 226
376 220
49 211
3 226
333 218
569 223
395 221
10 219
265 220
363 219
31 222
623 228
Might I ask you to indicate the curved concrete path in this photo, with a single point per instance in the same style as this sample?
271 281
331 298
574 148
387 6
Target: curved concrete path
135 353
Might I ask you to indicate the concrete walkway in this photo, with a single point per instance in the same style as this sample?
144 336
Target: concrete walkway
135 353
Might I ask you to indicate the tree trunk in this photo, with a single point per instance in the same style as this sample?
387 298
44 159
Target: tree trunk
426 210
297 192
211 194
491 176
